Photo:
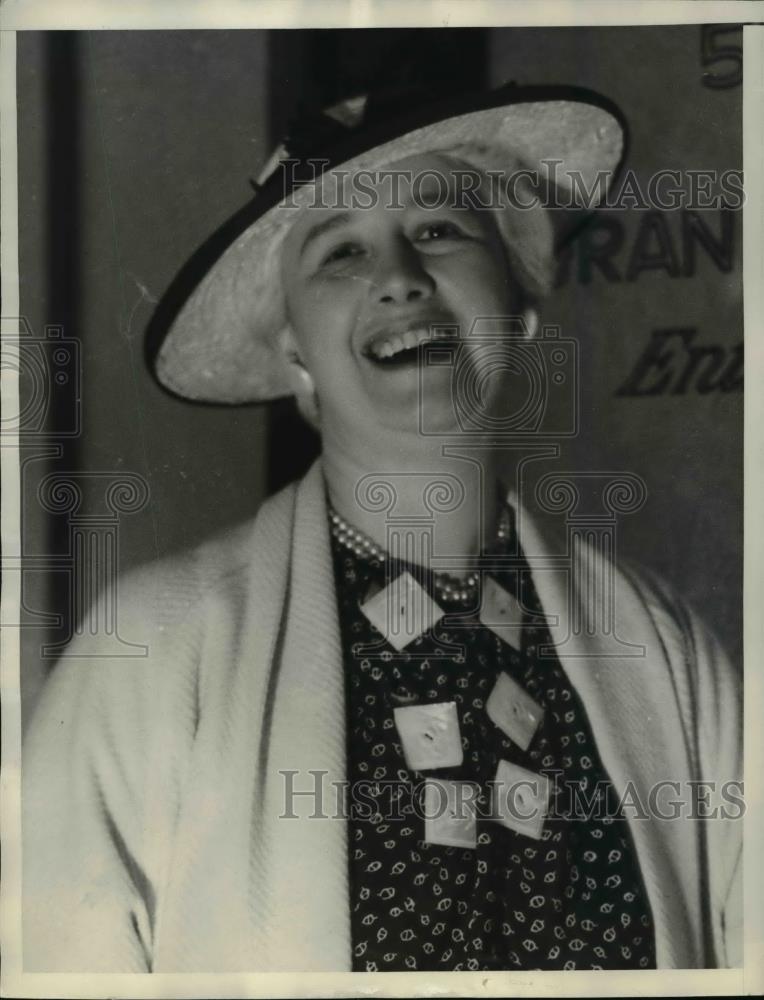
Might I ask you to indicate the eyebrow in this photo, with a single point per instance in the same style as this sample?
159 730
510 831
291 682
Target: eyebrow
333 222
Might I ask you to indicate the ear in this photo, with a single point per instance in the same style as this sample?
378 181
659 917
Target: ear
531 322
297 374
298 377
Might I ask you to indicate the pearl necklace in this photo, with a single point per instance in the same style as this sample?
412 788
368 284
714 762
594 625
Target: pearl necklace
448 587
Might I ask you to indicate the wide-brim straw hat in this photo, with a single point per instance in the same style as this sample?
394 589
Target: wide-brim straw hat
212 336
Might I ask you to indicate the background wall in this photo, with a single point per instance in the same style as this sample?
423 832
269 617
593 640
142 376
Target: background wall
679 425
135 146
161 132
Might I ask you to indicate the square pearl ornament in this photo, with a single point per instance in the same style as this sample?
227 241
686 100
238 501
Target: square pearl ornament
430 735
402 611
520 799
450 813
512 709
500 611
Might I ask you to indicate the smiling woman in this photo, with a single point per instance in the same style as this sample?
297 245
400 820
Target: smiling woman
364 287
401 628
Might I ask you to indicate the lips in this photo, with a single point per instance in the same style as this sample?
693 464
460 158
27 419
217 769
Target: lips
399 344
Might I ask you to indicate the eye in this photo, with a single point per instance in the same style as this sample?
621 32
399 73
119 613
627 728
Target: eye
342 252
443 230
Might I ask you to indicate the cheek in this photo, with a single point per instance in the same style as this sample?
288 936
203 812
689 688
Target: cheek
328 303
320 330
484 292
317 317
478 278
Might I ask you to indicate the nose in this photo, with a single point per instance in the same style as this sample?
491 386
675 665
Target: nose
400 277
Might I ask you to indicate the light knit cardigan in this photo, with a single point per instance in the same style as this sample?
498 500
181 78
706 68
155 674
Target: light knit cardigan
152 789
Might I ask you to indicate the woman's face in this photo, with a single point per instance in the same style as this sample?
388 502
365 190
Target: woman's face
365 285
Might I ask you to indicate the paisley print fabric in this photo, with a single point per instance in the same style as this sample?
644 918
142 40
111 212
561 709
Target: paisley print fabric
571 900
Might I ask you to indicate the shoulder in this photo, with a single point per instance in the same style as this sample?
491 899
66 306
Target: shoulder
151 624
670 614
138 645
679 625
687 637
166 590
708 684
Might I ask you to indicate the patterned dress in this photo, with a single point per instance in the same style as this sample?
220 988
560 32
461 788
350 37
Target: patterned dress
573 899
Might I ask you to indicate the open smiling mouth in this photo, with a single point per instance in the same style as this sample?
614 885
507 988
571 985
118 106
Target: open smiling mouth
392 350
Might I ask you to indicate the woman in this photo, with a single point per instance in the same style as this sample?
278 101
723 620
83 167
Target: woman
368 724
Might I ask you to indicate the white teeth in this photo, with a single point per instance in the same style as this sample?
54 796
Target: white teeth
393 344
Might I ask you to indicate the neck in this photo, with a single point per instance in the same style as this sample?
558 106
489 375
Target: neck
431 504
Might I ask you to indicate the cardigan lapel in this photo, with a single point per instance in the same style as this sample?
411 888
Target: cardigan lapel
221 853
632 706
309 912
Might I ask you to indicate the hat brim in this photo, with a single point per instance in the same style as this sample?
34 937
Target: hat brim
217 322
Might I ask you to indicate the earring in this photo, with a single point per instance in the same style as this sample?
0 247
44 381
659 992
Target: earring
531 323
305 390
305 379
